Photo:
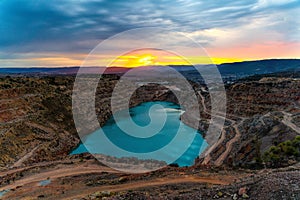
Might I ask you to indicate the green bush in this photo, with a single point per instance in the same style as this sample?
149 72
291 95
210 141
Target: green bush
278 155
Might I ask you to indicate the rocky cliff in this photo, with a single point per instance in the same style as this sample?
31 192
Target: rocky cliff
36 122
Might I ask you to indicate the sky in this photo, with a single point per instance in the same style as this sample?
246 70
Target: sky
57 33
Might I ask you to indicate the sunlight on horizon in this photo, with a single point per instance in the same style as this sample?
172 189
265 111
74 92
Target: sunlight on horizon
155 57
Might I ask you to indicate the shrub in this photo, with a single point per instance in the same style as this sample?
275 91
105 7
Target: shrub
278 155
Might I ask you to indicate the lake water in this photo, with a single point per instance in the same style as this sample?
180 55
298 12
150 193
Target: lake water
45 182
3 192
183 143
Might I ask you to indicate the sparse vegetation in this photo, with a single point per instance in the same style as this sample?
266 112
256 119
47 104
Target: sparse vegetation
283 153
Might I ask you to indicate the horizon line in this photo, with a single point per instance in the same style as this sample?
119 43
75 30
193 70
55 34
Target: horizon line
77 66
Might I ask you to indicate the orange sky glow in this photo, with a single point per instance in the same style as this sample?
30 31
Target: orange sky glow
152 57
232 32
215 55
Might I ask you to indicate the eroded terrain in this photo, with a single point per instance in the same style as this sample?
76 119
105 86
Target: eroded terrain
37 133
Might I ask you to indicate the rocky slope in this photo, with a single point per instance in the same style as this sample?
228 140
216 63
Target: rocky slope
37 133
36 116
260 113
84 178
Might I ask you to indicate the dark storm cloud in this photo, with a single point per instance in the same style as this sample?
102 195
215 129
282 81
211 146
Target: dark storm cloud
77 26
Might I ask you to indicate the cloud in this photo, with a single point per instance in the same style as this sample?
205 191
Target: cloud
272 3
64 26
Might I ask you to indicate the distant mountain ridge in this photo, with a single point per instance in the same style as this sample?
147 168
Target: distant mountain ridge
60 70
238 69
260 66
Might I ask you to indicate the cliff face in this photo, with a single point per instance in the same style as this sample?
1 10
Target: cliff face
35 119
36 122
260 113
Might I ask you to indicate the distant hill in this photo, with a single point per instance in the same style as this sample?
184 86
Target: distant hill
259 67
39 70
236 70
60 70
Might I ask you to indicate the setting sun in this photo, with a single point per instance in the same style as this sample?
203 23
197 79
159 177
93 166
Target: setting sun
152 57
148 57
147 60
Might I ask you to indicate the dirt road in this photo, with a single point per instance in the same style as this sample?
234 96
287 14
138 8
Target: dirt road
151 183
29 186
57 173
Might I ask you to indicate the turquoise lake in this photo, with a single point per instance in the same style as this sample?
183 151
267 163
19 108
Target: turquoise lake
184 143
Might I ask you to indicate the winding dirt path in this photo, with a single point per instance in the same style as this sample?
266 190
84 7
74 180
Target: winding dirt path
41 127
207 157
287 120
203 102
29 184
151 183
25 157
57 173
229 144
